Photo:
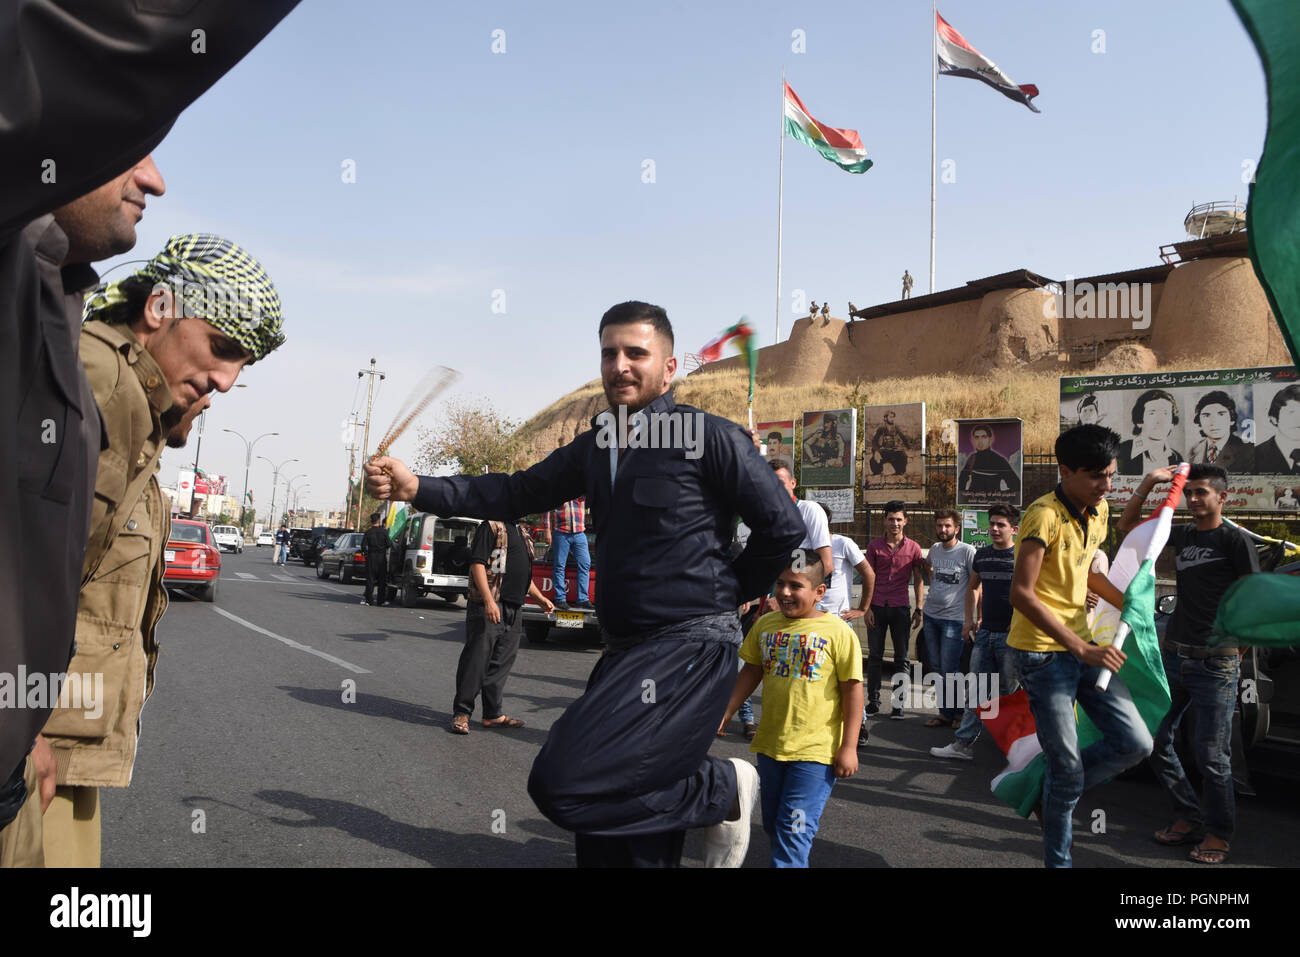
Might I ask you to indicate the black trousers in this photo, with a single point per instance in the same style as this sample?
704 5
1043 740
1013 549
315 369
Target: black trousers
486 659
627 766
377 578
898 621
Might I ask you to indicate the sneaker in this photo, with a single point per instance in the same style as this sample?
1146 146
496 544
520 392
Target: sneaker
585 606
561 606
962 752
364 602
725 844
896 715
873 708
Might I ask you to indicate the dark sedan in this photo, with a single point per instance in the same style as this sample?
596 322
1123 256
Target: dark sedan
343 558
321 537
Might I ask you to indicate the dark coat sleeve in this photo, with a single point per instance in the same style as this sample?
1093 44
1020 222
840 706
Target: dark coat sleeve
89 87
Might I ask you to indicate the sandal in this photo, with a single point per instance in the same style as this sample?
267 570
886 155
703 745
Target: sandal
1208 855
460 724
936 723
1170 837
505 721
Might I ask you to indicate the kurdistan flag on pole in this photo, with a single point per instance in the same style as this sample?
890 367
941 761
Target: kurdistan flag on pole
842 147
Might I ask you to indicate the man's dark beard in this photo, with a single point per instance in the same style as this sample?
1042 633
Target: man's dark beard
171 418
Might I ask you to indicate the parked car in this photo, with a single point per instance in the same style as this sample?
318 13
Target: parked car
228 536
321 536
193 560
537 623
265 538
299 539
430 557
344 558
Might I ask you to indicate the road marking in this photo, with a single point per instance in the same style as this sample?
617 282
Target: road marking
284 578
356 669
247 575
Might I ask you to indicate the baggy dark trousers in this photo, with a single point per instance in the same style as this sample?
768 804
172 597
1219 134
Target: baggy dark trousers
376 580
486 659
627 765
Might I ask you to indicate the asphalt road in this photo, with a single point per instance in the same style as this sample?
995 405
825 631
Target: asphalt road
255 752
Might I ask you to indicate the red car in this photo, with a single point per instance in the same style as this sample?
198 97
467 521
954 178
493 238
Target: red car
192 558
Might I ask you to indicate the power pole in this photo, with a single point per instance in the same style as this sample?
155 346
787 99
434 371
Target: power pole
365 442
354 421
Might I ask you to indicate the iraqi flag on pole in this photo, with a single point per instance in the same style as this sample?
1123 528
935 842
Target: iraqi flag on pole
842 147
958 58
1133 572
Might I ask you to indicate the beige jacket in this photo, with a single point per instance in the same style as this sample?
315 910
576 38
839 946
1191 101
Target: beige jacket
122 597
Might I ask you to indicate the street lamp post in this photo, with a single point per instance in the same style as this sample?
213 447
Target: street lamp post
275 479
288 488
248 461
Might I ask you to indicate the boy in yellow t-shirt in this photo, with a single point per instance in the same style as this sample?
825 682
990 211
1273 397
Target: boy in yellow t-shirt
810 664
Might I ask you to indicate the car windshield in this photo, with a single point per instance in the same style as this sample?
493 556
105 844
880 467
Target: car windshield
187 533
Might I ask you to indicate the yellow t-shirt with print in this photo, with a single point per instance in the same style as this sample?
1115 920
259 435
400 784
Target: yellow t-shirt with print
1063 579
803 661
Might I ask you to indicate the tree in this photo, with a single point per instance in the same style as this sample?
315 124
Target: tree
471 436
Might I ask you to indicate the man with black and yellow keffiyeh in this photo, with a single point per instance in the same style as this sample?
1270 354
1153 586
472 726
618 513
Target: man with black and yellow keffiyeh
154 344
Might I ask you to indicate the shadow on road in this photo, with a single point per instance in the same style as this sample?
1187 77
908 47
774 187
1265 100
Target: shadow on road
551 847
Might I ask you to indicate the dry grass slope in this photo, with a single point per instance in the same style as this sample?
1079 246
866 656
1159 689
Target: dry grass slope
1033 396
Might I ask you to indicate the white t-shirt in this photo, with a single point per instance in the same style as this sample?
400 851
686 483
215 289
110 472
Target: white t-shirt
846 556
818 530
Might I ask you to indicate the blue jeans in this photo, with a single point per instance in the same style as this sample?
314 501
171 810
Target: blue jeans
989 657
1209 686
746 711
793 795
943 643
1054 680
559 558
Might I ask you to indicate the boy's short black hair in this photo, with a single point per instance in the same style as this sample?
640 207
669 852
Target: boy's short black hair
827 509
1216 475
1009 512
374 517
1091 447
779 463
636 311
896 505
811 564
951 514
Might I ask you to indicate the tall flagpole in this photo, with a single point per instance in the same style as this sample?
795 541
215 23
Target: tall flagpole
934 73
780 186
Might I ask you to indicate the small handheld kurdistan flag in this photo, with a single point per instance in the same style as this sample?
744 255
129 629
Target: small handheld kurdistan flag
842 147
959 58
743 334
1010 721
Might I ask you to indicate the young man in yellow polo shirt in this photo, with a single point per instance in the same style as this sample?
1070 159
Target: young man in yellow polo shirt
1050 640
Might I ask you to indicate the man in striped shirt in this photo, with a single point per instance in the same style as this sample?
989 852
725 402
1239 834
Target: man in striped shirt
566 528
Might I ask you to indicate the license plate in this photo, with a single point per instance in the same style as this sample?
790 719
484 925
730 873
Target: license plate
568 619
169 555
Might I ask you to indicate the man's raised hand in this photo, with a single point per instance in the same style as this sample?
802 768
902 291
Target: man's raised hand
388 478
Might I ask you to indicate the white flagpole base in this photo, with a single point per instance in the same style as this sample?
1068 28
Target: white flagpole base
1103 681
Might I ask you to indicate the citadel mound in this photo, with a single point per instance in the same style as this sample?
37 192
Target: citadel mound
993 347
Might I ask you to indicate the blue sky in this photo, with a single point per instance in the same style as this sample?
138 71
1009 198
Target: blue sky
482 174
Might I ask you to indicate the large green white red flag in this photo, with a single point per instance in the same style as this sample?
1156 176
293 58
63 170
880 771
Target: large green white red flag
1133 572
842 147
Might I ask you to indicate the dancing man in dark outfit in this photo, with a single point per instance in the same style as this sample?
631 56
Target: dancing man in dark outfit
626 767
